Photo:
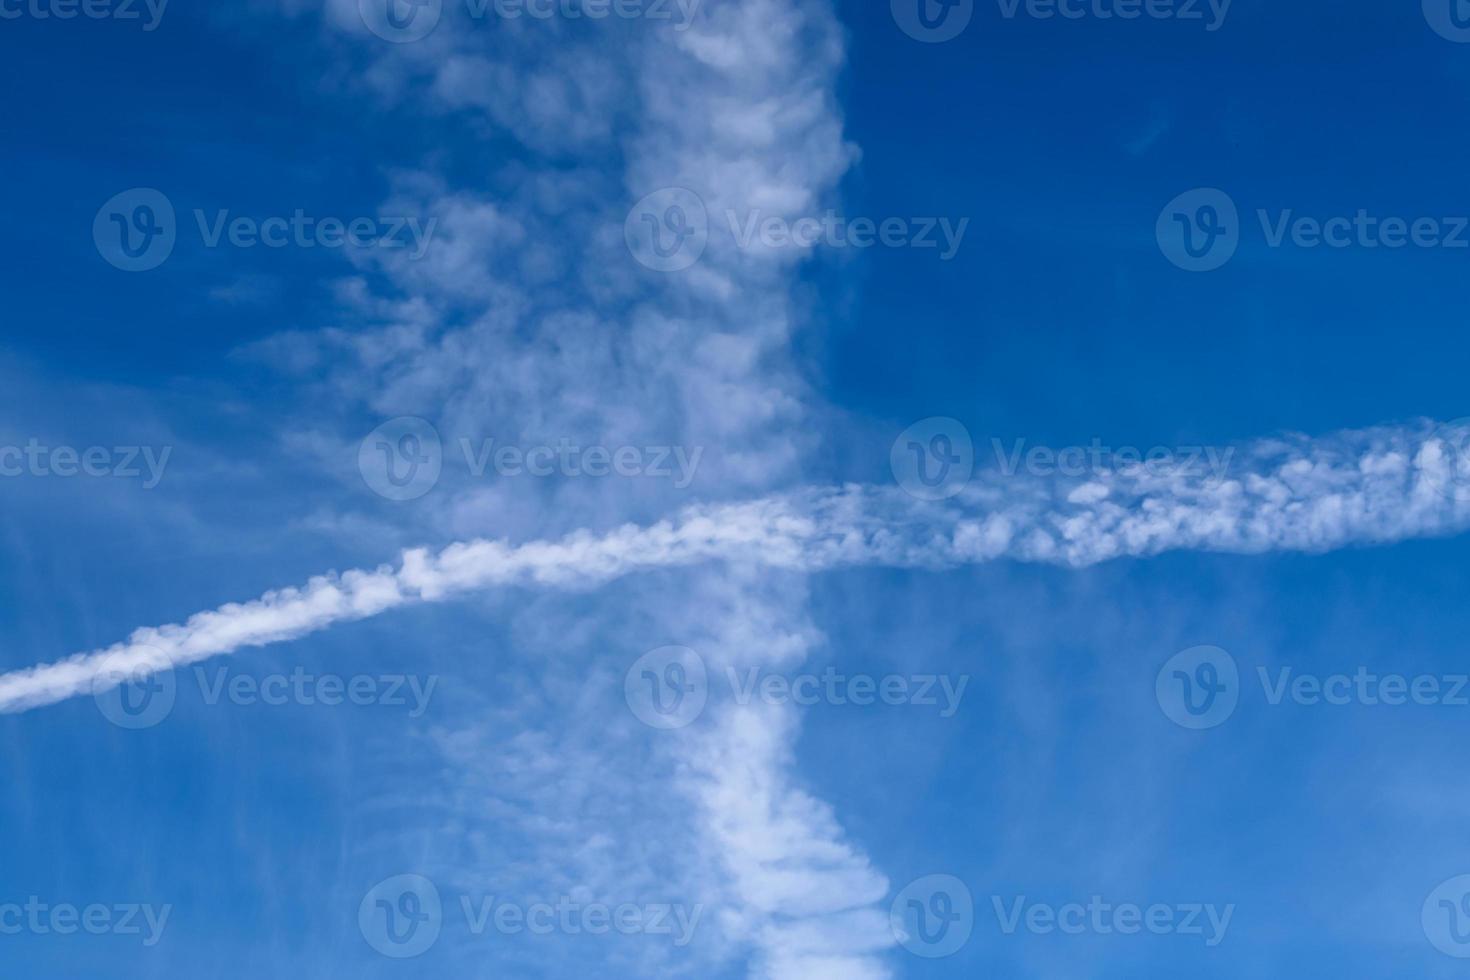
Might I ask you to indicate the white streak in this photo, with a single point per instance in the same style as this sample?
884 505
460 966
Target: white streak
1373 486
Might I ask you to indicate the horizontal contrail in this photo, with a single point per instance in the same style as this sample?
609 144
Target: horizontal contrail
1289 494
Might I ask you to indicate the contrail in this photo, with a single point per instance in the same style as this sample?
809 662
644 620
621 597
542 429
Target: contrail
1370 486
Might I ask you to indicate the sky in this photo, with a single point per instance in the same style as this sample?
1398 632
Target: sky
740 488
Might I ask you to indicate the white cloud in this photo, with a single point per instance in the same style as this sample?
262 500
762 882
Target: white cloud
1366 487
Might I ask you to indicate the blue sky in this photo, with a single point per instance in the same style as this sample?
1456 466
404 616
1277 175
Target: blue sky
501 749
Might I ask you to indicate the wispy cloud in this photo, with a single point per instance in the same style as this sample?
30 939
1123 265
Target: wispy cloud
1364 487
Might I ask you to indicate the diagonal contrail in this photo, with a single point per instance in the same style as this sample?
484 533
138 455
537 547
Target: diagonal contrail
1290 494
